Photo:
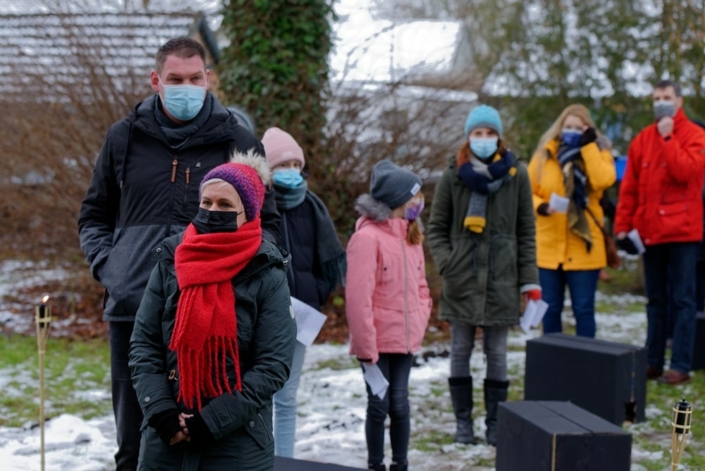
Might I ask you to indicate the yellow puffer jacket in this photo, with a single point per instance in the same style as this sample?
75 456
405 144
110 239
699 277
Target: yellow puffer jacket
555 243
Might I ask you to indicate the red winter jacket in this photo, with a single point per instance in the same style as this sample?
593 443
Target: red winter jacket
660 195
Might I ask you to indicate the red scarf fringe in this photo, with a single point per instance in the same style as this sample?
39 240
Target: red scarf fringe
205 334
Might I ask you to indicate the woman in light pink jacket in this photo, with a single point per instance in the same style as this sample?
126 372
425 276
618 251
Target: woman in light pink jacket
388 302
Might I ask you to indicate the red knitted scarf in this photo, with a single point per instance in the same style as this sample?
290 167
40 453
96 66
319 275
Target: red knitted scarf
205 334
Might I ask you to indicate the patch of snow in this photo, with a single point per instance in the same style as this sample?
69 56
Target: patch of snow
71 444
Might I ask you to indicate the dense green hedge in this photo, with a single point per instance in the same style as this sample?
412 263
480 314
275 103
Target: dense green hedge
276 65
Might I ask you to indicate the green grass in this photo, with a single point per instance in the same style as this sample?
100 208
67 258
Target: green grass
626 279
71 368
606 307
337 364
429 440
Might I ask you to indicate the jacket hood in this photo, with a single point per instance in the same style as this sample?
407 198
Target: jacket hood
370 208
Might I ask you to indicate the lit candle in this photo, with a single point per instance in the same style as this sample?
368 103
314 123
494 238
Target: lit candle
43 308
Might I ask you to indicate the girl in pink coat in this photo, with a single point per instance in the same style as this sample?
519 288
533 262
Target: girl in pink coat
388 302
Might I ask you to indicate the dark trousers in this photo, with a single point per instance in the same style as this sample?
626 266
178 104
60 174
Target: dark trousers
396 368
128 414
582 285
670 273
699 298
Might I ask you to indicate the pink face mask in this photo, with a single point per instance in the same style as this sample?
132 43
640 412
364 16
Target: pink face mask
413 211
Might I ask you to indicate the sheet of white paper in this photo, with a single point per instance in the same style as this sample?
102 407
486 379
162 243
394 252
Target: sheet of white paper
533 314
375 379
559 203
525 321
636 240
541 308
308 321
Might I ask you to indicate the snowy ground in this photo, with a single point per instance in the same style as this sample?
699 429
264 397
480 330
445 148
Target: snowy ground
332 408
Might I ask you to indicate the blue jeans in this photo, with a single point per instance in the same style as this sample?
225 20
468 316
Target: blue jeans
670 273
285 407
582 285
396 367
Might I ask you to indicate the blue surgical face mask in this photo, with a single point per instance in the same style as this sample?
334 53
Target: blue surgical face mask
183 102
571 137
484 147
287 177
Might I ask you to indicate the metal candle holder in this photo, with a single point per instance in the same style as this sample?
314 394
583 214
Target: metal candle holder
680 422
42 319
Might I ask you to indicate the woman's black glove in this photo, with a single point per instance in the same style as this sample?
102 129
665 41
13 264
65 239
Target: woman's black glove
542 209
166 423
627 245
589 135
198 430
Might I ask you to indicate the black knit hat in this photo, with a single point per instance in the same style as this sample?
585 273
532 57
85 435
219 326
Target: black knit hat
393 185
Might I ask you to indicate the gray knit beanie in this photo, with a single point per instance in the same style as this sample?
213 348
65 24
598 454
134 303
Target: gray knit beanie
393 185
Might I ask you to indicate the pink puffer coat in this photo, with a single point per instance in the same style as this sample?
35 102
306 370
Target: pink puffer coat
387 298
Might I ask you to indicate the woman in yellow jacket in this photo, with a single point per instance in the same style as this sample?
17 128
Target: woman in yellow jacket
572 161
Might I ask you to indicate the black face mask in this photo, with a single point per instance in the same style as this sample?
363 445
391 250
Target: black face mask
208 222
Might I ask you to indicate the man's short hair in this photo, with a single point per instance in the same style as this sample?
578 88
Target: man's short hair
183 47
663 84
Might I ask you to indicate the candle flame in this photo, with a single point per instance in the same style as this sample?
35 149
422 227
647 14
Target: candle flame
45 299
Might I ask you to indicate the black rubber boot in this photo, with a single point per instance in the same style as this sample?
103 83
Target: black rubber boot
495 392
398 467
377 467
461 395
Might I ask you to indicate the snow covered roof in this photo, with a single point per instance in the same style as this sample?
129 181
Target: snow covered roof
382 50
56 46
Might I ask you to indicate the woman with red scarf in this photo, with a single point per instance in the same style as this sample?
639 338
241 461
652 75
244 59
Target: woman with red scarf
214 336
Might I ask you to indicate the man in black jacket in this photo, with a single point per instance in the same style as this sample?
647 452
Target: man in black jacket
145 187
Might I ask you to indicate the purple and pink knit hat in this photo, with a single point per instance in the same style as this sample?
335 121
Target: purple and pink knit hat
248 174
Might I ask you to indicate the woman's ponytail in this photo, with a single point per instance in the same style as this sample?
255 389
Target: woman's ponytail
414 235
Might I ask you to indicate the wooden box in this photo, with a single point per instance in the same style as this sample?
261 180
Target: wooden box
558 436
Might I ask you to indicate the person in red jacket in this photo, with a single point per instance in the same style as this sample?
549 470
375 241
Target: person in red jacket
660 197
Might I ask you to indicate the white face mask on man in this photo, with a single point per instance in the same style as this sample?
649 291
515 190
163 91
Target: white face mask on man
664 109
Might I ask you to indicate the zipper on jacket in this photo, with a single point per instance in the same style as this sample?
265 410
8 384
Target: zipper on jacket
188 181
406 298
174 164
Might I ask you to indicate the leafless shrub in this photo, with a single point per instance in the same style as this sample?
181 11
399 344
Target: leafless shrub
55 116
415 126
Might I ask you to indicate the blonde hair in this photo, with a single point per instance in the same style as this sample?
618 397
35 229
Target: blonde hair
554 132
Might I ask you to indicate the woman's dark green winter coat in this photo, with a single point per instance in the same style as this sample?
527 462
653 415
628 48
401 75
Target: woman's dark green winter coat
241 422
482 273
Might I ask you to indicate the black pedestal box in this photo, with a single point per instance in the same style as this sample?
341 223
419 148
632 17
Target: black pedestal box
289 464
605 378
699 352
558 436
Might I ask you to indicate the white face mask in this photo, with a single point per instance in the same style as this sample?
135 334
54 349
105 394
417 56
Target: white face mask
664 108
